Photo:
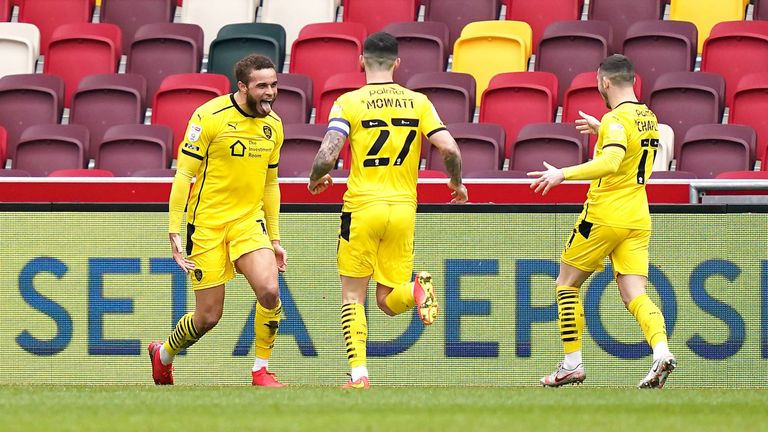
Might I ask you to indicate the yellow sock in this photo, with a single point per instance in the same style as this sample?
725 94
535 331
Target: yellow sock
570 314
355 328
401 298
650 319
183 336
265 327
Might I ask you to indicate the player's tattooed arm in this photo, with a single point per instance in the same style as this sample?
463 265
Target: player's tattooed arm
452 161
326 157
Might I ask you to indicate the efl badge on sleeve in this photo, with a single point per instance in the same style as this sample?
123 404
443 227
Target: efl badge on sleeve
194 132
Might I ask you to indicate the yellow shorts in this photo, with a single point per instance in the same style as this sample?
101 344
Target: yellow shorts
589 244
214 250
378 240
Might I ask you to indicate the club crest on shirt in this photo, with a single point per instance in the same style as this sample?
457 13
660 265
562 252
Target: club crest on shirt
267 132
198 275
194 132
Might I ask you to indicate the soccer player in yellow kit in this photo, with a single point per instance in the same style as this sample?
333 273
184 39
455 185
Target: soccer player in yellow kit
384 123
615 222
231 148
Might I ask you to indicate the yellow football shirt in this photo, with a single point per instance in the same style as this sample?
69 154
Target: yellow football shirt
231 154
619 199
384 122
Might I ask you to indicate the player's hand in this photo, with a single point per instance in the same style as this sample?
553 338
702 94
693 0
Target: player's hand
320 185
546 179
178 254
281 256
587 124
459 194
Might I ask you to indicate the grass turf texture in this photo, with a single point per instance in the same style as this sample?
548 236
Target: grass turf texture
210 408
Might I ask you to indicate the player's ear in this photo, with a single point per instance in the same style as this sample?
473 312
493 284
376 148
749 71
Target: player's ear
396 64
362 63
241 86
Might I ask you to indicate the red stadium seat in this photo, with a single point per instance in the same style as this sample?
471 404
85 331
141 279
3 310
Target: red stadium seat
47 15
131 147
335 86
179 96
45 148
750 103
735 49
6 10
743 175
560 144
294 105
374 15
81 172
516 99
82 49
532 12
318 43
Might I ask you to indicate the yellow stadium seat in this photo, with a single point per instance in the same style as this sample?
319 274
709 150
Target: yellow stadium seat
487 48
706 13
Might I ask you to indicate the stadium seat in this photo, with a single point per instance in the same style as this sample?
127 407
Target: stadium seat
286 13
499 174
6 10
236 41
81 49
3 147
211 16
14 173
44 148
20 47
709 149
481 147
335 86
47 15
300 145
154 172
735 49
164 49
81 172
657 47
477 51
666 150
743 175
104 100
760 11
179 96
131 147
706 13
458 13
621 14
374 14
560 144
750 103
294 101
538 17
672 175
317 43
27 100
561 40
582 95
516 99
685 99
422 47
452 94
129 15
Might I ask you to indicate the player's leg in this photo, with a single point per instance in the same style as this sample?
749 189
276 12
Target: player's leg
395 292
630 263
359 236
206 249
254 257
583 254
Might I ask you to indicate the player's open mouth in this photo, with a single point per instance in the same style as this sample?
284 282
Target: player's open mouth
266 106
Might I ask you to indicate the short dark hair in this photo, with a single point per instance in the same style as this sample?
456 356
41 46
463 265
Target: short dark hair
252 62
618 69
380 50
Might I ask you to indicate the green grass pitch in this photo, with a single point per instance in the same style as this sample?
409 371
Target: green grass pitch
496 409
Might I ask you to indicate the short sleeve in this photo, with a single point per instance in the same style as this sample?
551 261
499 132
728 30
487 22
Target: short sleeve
430 120
338 119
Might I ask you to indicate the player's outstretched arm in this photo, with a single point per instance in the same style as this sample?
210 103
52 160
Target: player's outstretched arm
452 160
325 160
